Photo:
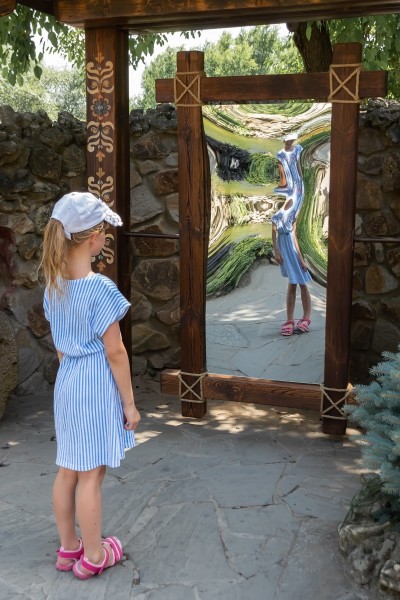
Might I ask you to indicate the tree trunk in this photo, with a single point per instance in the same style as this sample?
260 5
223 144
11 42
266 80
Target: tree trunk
315 50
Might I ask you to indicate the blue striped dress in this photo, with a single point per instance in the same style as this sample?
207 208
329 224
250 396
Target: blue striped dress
88 413
284 219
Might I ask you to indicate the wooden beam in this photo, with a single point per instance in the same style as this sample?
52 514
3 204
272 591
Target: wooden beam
7 7
44 6
251 390
194 225
172 15
262 88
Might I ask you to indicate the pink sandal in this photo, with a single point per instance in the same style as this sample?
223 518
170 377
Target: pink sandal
72 555
287 328
97 569
303 325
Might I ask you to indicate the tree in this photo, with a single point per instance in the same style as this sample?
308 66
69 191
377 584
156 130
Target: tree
378 34
26 35
161 67
272 52
378 414
255 51
57 90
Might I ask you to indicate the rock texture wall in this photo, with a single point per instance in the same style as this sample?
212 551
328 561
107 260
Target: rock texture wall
154 209
41 160
376 305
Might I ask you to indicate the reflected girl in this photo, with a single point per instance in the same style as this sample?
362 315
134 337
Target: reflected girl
284 239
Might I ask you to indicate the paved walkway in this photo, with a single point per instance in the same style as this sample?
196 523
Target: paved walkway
242 505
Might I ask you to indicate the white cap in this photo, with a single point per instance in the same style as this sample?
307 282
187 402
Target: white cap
79 211
290 136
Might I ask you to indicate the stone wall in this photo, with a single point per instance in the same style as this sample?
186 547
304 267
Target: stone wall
376 300
41 160
155 261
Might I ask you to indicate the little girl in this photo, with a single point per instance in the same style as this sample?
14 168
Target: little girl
93 391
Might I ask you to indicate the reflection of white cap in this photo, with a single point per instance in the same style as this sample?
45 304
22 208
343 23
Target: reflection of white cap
290 136
79 211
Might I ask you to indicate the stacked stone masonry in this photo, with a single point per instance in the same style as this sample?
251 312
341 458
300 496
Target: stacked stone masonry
41 160
376 301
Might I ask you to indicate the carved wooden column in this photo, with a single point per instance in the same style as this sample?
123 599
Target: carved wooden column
107 96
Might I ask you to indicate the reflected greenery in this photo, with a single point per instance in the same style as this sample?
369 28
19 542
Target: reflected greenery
229 262
243 142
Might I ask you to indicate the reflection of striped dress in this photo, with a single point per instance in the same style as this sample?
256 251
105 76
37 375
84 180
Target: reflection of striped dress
284 219
87 404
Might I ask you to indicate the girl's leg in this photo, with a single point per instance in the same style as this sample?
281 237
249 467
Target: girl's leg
64 509
306 301
290 300
89 511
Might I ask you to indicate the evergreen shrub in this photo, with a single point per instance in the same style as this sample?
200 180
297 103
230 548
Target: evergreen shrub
378 415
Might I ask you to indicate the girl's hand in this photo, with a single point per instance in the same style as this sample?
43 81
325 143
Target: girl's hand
278 257
303 264
132 417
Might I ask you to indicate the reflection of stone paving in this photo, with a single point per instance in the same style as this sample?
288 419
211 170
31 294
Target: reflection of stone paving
243 332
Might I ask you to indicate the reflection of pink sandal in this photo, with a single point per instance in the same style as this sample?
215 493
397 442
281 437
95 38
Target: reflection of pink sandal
72 555
287 328
303 325
97 569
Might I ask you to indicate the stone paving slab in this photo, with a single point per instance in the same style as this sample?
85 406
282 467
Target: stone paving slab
242 505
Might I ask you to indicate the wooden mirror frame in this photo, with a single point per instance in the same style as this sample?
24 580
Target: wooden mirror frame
345 85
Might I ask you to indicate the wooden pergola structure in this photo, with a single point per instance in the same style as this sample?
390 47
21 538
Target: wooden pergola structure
107 24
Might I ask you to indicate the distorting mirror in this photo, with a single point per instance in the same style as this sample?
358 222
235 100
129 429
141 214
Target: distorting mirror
246 292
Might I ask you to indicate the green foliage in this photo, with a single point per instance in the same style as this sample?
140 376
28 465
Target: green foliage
372 501
263 169
57 90
309 229
378 415
380 37
26 35
142 46
162 67
255 51
235 263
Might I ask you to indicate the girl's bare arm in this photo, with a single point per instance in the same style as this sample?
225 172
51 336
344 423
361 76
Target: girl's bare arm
119 364
278 256
296 243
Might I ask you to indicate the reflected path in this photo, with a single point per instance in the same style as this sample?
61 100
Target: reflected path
243 331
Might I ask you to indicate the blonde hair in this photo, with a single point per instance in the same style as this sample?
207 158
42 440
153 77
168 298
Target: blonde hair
55 251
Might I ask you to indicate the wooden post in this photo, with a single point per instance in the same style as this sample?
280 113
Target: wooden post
107 99
342 196
194 209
